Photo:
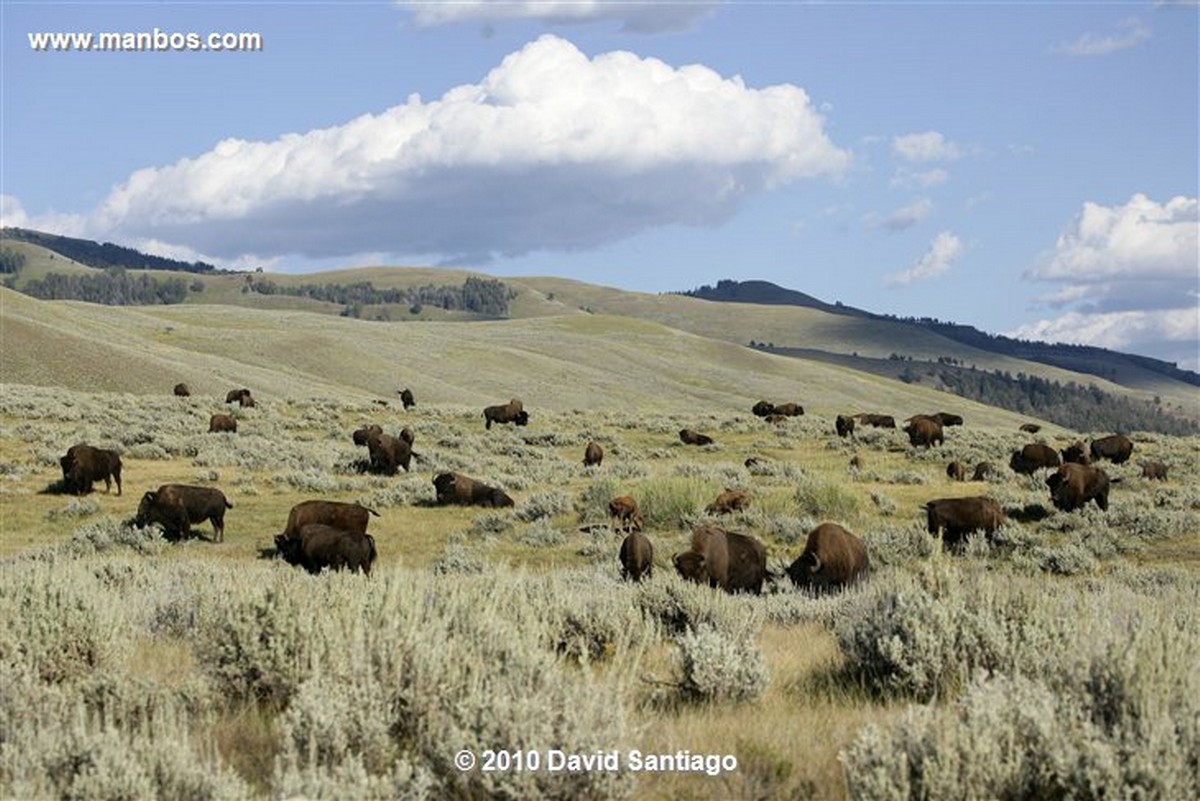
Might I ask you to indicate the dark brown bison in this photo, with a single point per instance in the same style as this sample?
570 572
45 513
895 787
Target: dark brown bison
1033 457
924 432
236 395
762 408
317 546
176 506
1030 428
511 412
719 558
406 397
958 517
1155 470
1073 485
956 471
876 420
222 422
459 489
690 437
624 510
788 409
345 516
181 391
729 501
1077 453
363 434
1116 448
637 556
83 465
832 558
947 419
982 471
844 425
593 454
387 453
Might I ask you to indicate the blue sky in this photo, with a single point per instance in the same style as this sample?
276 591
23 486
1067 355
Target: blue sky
1026 168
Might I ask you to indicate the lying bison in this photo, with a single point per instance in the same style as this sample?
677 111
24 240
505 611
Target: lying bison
1154 470
83 465
958 517
406 398
788 409
876 420
832 558
719 558
1030 428
1073 485
924 432
459 489
182 391
593 454
1033 457
318 546
176 506
511 412
844 425
689 437
220 423
636 556
729 501
1116 448
623 509
345 516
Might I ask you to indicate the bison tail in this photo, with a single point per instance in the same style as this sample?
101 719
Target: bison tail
372 511
228 505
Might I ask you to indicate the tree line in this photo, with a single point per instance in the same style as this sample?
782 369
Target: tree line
103 255
478 295
113 287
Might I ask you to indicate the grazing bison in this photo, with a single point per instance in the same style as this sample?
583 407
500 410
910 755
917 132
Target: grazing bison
181 391
832 558
236 395
83 465
1030 428
176 506
788 409
1073 485
637 556
1077 453
876 420
222 422
844 425
924 432
362 435
719 558
593 454
1155 471
982 471
388 453
729 501
317 546
624 510
690 437
406 397
947 419
956 471
1033 457
511 412
762 408
459 489
1116 448
958 517
346 516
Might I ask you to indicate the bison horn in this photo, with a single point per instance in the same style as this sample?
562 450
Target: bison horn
816 564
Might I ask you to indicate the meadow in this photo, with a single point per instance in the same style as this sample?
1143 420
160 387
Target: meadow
1057 660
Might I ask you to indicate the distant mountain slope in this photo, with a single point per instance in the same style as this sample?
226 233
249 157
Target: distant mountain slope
769 294
102 255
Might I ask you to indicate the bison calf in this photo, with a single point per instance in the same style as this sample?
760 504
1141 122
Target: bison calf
176 506
317 546
956 471
624 510
832 558
1155 471
729 501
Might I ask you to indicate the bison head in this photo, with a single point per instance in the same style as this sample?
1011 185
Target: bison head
692 566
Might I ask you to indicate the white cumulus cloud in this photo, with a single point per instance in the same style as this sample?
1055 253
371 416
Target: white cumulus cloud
1172 334
927 146
550 150
634 17
943 253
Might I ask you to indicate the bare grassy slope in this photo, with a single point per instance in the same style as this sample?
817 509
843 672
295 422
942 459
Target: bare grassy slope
560 363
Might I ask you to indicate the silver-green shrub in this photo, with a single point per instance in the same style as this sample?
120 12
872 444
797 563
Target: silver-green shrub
714 666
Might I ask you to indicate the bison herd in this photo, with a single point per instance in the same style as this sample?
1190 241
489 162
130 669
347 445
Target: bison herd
323 534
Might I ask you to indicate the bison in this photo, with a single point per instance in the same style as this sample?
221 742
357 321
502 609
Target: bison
729 501
1030 428
690 437
388 453
719 558
345 516
511 412
593 454
982 471
1154 470
958 517
956 471
406 398
459 489
636 556
762 408
832 558
176 506
83 465
924 432
363 434
624 510
844 425
876 420
1116 448
1073 485
947 419
219 423
1076 452
182 391
236 395
788 409
317 546
1033 457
